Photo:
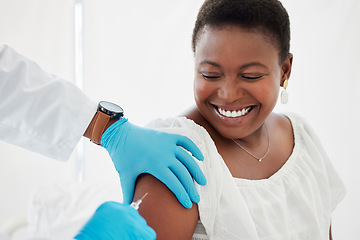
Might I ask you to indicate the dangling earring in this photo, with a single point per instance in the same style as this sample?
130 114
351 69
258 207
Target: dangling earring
284 94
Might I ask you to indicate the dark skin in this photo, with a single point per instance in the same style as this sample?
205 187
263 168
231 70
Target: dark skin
163 212
226 77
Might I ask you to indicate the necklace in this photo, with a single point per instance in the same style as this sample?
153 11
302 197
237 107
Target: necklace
267 151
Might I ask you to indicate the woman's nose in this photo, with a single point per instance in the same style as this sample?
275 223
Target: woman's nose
230 91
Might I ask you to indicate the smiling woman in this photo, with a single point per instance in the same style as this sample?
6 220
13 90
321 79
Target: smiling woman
268 175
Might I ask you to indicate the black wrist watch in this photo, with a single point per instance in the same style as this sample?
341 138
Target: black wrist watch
110 109
105 112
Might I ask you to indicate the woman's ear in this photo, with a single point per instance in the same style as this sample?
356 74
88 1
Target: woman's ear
286 69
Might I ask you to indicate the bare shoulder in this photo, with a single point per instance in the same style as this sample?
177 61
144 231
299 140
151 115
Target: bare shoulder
281 123
282 134
163 212
193 114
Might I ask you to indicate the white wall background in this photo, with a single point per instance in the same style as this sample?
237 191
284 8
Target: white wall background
138 54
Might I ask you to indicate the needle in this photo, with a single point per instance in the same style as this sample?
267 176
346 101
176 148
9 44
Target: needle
138 202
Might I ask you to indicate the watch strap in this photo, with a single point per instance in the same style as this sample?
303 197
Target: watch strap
98 126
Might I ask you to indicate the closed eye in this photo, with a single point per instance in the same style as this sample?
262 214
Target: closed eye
210 77
251 78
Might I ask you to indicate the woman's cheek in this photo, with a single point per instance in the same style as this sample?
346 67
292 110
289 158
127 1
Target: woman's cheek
201 89
265 93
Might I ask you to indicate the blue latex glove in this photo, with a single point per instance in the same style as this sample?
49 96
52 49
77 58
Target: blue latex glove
135 150
113 221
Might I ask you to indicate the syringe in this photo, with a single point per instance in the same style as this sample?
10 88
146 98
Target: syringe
137 203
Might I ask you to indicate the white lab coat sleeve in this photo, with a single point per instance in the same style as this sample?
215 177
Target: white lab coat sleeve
40 111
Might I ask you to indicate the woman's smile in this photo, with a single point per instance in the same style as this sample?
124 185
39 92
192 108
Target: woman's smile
234 113
231 116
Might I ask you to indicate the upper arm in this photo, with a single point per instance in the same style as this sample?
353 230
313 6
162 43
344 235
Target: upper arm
163 212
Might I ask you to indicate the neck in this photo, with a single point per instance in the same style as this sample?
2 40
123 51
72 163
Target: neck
256 140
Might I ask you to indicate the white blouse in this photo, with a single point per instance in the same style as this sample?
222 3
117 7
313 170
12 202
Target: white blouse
294 203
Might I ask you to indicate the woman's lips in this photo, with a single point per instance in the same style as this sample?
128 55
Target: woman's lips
234 113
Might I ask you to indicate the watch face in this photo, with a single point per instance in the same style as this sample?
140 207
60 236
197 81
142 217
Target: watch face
110 109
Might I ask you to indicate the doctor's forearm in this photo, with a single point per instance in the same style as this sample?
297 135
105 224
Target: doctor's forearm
40 111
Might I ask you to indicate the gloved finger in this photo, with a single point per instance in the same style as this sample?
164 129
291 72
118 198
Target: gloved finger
191 165
186 180
128 188
189 145
134 217
173 183
146 233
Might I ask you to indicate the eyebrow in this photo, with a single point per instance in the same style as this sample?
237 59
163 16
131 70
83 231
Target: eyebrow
210 63
246 65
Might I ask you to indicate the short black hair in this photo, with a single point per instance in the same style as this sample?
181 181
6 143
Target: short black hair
266 16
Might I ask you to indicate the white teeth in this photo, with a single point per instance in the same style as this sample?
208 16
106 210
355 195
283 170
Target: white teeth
234 113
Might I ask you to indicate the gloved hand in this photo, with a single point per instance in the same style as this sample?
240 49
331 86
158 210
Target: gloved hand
135 150
113 221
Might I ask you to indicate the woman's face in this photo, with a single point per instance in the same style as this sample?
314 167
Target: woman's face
237 79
